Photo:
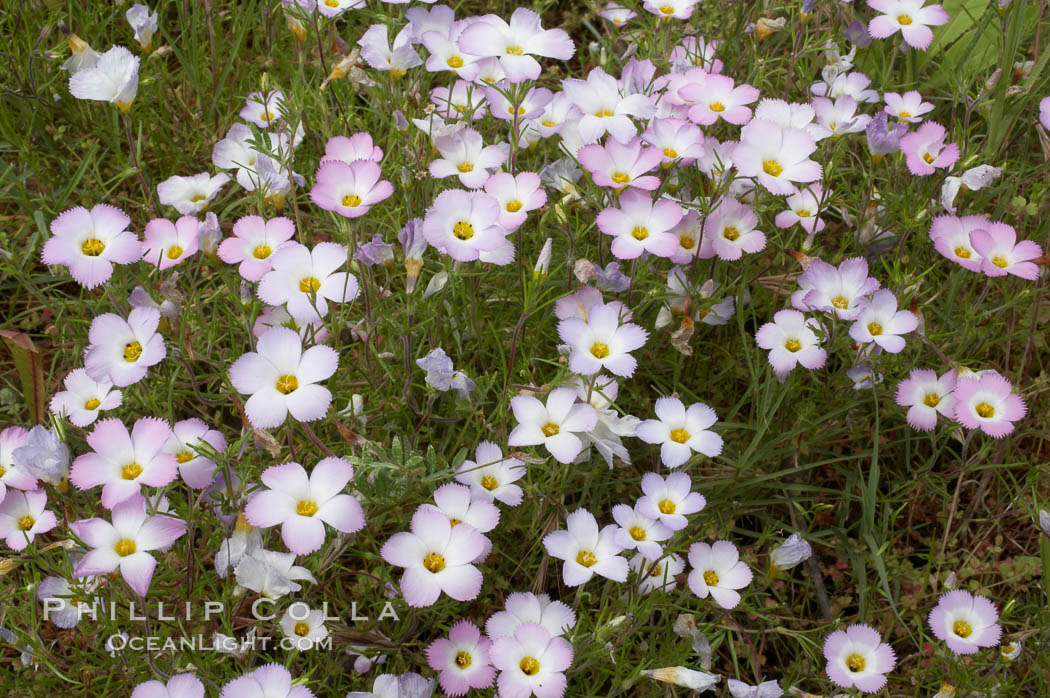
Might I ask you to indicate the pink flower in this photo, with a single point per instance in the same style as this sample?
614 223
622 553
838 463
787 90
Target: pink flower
282 378
556 617
263 109
531 662
1002 254
272 680
837 118
988 403
302 504
531 106
89 243
681 431
178 686
951 237
718 571
306 280
446 54
880 322
462 659
437 558
516 43
840 290
196 470
639 532
618 165
358 146
857 657
791 340
602 341
458 503
777 157
23 516
681 142
716 97
1044 113
121 351
804 207
349 189
666 9
729 232
465 155
605 108
10 475
910 17
82 400
125 543
167 243
554 425
586 551
907 107
617 14
925 151
254 242
965 622
464 224
122 462
640 225
464 100
925 395
517 195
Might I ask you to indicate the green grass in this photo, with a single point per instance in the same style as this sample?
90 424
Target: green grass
891 513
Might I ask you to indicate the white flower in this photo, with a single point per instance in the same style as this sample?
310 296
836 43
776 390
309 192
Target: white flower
553 425
270 573
84 398
681 431
586 550
791 552
144 23
114 78
718 571
680 676
303 625
190 195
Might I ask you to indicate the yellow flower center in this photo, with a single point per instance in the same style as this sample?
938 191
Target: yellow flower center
640 233
287 384
840 302
586 558
670 153
550 429
267 116
92 247
198 198
803 213
686 242
1000 261
306 507
772 168
903 19
514 50
931 400
620 177
332 3
904 115
667 10
125 547
174 252
184 456
510 110
666 506
600 350
637 532
351 200
679 436
131 471
548 123
874 329
434 562
928 158
463 230
454 62
462 659
985 410
529 665
793 345
490 483
132 352
309 283
91 404
454 522
465 167
513 206
962 252
602 113
657 570
711 578
302 629
730 233
261 252
717 107
961 628
855 663
26 522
